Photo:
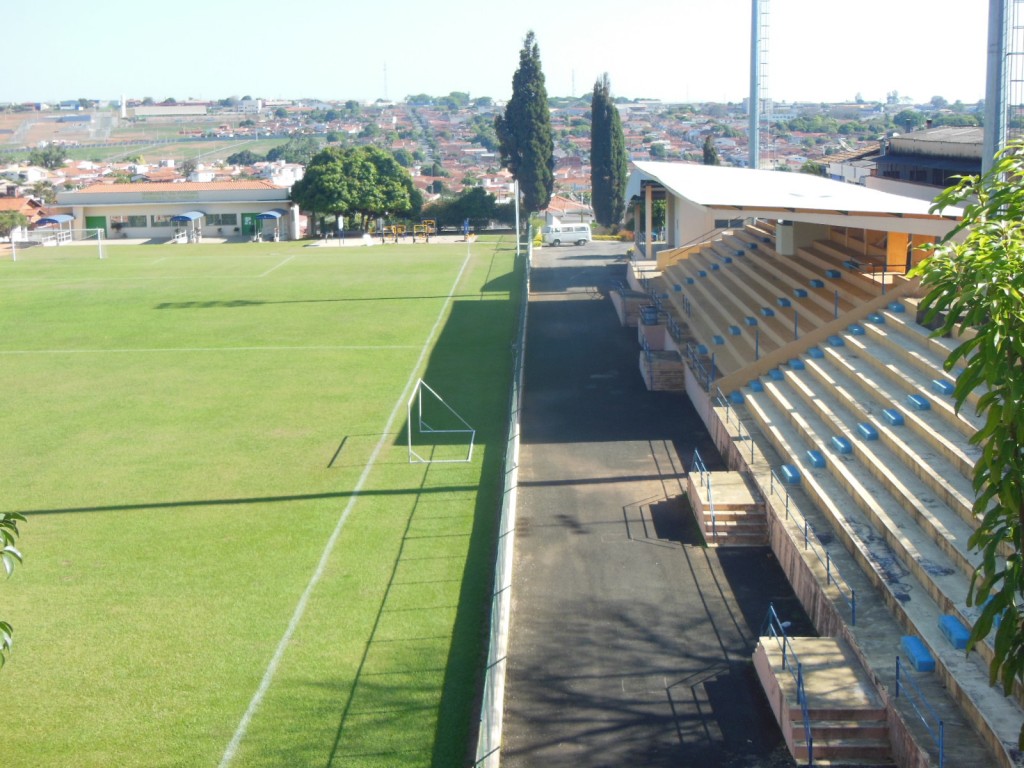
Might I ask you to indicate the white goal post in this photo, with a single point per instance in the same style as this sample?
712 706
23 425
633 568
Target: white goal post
450 423
59 238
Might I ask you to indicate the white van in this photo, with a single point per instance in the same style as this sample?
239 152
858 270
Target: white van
566 233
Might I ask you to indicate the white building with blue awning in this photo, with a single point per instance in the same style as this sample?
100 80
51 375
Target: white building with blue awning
187 211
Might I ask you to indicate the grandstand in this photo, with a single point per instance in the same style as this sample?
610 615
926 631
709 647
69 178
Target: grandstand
796 329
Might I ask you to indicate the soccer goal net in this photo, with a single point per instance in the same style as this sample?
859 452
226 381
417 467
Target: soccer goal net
54 244
437 434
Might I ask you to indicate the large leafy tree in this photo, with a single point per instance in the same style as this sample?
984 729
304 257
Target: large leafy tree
609 170
52 156
476 204
364 182
973 277
524 131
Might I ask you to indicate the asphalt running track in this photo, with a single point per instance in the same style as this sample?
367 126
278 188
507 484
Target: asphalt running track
630 642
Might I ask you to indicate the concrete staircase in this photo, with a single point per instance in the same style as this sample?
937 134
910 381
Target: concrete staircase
846 719
727 509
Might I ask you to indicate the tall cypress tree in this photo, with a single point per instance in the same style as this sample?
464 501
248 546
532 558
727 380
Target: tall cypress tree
524 131
608 167
710 152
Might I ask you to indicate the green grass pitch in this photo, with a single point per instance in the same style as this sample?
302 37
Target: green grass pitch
185 427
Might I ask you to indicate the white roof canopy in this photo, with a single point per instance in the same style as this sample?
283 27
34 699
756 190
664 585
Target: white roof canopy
759 192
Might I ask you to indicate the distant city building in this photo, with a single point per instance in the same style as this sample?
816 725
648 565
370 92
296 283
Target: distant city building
928 160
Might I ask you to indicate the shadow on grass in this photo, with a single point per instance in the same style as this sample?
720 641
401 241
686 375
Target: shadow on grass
247 500
237 303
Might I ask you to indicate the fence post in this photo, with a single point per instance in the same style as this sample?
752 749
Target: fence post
837 304
897 677
796 325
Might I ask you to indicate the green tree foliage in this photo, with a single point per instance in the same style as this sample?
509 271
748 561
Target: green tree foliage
43 190
11 220
361 182
710 152
51 156
476 204
524 131
9 556
297 150
188 167
280 113
909 119
609 169
975 285
245 157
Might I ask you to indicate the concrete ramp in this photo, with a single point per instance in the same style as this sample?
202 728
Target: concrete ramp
848 723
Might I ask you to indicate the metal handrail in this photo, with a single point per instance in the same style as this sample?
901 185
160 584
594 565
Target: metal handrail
723 402
774 627
939 732
813 543
705 481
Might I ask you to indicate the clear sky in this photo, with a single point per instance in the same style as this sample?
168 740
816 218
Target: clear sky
674 50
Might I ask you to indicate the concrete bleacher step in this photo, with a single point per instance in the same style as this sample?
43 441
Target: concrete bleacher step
995 717
945 435
894 367
943 525
818 253
936 348
706 321
811 280
880 521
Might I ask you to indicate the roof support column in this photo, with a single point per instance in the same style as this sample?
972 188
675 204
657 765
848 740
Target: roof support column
648 218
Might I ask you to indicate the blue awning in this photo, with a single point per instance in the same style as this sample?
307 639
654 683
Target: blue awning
58 219
275 214
188 216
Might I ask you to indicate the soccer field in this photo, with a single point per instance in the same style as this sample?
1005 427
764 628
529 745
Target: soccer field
229 559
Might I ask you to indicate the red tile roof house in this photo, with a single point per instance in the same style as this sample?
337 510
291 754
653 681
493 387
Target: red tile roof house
563 210
31 208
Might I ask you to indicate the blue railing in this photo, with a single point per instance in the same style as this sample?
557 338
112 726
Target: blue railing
742 435
775 628
932 723
705 481
811 542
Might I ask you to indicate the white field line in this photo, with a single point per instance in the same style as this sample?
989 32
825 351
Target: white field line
354 347
300 608
278 266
